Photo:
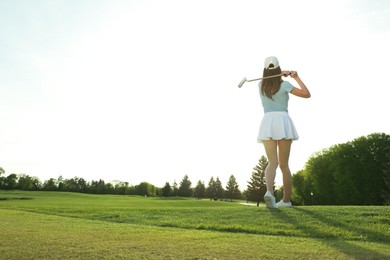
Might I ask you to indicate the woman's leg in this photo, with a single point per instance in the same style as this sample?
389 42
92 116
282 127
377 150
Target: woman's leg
284 155
271 149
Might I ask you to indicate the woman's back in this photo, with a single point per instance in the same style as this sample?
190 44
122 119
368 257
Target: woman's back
279 101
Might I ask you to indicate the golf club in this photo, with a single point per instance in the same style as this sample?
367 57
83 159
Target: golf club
249 80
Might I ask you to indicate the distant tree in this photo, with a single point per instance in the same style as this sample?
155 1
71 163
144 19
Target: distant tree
145 189
26 182
109 188
256 186
126 188
82 185
11 182
121 187
166 191
386 178
232 189
60 183
214 189
36 184
131 190
175 189
211 190
219 189
71 185
50 185
97 187
2 179
2 183
200 190
158 191
185 187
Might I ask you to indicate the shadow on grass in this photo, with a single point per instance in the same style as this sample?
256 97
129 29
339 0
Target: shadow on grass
331 240
370 235
22 198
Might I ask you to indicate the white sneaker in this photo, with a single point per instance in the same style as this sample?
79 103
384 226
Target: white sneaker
269 200
283 204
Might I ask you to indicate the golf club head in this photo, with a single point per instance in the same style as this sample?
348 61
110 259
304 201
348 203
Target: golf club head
242 82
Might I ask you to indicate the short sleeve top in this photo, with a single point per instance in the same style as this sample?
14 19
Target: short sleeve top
279 101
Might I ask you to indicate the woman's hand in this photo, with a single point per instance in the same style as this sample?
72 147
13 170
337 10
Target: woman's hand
303 91
294 74
286 73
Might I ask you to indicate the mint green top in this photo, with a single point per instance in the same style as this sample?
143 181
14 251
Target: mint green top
279 101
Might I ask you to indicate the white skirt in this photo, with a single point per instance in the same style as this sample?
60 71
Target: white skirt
277 126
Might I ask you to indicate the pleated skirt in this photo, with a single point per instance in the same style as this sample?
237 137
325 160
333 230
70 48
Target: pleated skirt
277 126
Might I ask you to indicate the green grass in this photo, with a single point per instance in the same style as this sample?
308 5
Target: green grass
71 225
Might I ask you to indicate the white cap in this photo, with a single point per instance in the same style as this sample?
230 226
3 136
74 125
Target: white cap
271 60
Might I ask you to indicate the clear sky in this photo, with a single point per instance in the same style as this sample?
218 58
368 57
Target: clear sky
147 90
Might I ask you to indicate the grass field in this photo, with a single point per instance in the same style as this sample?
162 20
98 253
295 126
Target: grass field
52 225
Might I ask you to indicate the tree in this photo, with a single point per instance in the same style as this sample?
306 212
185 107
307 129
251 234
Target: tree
211 191
166 190
232 190
82 185
256 186
358 170
302 190
11 182
145 189
200 190
214 189
175 189
131 190
386 178
50 185
121 187
97 187
60 183
352 173
321 167
26 182
185 187
2 179
219 189
110 189
71 184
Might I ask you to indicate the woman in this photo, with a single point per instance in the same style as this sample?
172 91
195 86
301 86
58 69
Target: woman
277 130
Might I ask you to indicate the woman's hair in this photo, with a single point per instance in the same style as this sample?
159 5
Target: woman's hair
269 87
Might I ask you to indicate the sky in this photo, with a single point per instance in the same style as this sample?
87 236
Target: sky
147 90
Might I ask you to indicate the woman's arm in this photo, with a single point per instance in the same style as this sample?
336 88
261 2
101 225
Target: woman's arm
303 91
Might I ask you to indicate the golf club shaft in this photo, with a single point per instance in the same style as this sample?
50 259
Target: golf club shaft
273 76
268 77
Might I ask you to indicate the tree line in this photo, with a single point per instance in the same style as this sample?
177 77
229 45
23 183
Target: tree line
352 173
214 190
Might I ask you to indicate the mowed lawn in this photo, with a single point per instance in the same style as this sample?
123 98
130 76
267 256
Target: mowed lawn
52 225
